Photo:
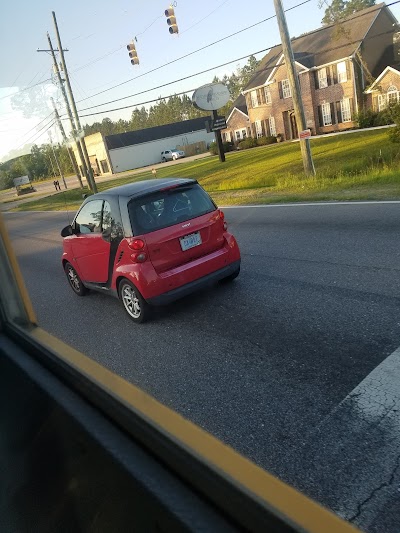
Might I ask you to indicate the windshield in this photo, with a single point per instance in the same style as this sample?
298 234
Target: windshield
168 207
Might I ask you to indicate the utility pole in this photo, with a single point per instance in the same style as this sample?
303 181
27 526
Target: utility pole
57 163
70 152
75 111
74 132
295 86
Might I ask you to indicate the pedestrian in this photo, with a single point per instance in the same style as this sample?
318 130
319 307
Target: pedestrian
55 184
58 185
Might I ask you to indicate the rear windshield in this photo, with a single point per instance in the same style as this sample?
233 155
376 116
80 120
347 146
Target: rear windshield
166 208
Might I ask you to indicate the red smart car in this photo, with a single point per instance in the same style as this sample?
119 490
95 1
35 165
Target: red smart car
149 243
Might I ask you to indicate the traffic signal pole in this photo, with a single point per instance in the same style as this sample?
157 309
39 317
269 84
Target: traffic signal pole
92 182
295 86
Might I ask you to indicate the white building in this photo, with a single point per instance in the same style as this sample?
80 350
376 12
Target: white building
135 149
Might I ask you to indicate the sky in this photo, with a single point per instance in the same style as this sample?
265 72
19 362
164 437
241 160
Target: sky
96 34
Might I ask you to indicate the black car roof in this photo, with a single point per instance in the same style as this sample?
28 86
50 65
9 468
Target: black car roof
142 187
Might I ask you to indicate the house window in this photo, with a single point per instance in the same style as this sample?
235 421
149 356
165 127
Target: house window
382 101
392 95
326 114
322 78
267 93
342 72
346 110
240 134
226 137
286 92
258 126
254 99
272 128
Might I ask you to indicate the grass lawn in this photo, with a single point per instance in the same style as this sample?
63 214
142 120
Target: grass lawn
356 166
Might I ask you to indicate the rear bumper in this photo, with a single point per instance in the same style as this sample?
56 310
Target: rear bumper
195 285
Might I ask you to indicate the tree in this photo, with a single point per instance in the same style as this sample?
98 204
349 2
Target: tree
338 10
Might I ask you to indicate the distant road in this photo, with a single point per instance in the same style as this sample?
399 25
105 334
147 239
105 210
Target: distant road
46 188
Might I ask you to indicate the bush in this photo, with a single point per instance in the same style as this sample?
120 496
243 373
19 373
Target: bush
368 118
213 148
262 141
247 143
228 147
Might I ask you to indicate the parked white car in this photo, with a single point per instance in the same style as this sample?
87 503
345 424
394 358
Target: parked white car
171 155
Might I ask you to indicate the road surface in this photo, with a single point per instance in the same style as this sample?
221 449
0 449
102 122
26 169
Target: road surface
294 364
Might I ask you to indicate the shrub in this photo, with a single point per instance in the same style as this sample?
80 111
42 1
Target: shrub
213 148
262 141
247 143
228 147
368 118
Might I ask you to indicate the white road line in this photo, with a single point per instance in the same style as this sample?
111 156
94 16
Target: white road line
313 204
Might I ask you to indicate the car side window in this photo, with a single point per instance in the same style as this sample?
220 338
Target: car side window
88 219
107 218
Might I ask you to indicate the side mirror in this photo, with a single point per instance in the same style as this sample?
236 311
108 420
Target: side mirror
67 231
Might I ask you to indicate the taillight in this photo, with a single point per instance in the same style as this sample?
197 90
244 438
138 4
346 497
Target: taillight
137 244
222 217
139 258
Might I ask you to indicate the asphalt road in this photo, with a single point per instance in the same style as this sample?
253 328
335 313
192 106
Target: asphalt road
272 363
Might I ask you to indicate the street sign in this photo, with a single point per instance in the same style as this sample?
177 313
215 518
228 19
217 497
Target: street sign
304 134
211 96
22 180
218 124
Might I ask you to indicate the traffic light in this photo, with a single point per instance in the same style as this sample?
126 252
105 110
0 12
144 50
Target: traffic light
132 53
171 20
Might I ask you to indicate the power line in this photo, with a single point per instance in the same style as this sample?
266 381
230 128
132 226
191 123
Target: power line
193 52
270 67
137 104
175 81
37 134
36 125
204 18
26 89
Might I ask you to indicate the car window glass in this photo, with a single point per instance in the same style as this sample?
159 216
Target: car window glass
88 219
107 218
167 208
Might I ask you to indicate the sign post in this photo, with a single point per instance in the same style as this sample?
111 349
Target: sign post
211 97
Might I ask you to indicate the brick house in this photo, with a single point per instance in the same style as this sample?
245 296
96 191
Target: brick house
238 123
335 64
385 90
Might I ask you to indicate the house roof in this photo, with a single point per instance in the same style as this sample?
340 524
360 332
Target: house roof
240 105
375 85
324 45
130 138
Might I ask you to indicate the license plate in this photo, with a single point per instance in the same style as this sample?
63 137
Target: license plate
190 241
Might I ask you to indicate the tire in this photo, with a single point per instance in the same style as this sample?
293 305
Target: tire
133 302
74 280
163 160
231 277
